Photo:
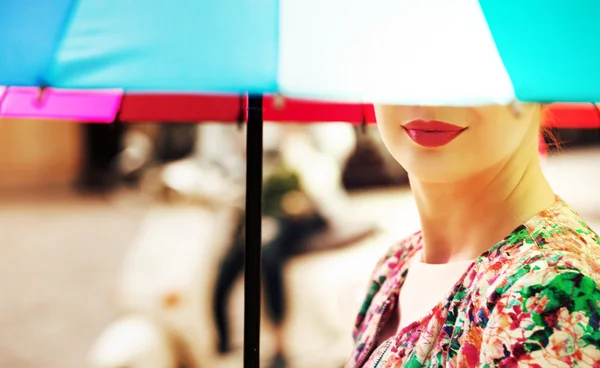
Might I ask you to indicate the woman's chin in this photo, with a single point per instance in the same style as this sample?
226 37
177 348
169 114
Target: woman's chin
434 167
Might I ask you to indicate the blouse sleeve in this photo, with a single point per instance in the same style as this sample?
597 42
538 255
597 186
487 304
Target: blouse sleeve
546 319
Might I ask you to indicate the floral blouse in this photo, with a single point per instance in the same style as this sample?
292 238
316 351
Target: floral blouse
532 300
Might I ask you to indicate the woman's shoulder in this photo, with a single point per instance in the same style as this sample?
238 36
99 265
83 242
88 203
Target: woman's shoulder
553 247
560 239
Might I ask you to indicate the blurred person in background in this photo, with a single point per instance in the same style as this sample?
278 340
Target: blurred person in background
302 193
503 272
290 218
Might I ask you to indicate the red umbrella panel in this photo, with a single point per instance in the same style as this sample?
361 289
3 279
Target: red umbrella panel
106 106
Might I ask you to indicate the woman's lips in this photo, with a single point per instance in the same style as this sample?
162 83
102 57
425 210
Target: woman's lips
432 133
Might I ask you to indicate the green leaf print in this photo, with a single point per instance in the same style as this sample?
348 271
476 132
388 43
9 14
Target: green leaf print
518 236
548 232
570 289
373 289
591 336
542 337
413 362
512 279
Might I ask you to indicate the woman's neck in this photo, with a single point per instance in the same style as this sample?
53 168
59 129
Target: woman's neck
462 220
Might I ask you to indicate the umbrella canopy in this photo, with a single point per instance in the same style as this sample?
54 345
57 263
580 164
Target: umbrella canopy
434 52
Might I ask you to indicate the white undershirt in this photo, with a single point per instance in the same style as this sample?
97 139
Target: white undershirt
426 285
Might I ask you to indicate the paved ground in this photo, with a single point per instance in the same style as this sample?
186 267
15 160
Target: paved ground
59 258
61 255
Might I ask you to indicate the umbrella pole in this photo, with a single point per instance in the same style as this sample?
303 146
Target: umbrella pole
253 213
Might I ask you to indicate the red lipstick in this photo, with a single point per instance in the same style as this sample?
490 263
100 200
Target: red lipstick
432 133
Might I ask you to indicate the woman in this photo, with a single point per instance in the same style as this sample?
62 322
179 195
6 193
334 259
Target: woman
503 272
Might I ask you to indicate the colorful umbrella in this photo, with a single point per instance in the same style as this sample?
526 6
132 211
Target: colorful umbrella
429 52
425 52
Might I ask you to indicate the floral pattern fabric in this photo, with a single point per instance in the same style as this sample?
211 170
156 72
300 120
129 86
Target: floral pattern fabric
532 300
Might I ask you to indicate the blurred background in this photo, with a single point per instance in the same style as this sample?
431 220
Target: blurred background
121 243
